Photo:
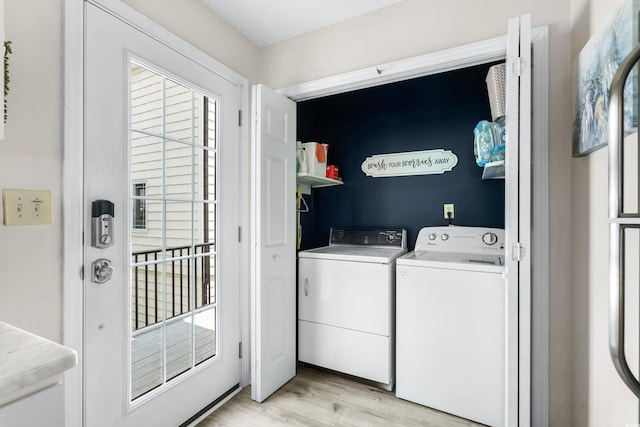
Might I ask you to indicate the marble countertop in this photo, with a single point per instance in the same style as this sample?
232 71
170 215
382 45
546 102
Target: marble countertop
29 363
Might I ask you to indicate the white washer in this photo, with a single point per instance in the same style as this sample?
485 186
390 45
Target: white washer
450 314
346 306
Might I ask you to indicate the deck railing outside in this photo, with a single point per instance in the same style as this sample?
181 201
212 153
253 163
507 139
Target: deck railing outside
178 278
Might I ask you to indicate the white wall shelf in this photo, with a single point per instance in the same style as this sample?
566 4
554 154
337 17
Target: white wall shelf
308 181
493 170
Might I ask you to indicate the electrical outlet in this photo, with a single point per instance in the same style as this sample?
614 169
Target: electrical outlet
448 211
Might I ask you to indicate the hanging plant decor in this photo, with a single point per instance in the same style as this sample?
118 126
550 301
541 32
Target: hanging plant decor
7 52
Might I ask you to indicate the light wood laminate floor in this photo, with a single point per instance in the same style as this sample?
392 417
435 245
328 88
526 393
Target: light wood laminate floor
319 398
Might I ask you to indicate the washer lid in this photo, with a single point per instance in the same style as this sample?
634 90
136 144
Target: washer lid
354 253
454 260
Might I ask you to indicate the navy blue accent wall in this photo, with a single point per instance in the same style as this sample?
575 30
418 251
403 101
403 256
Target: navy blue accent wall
432 112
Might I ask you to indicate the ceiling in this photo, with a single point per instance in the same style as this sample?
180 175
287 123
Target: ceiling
269 21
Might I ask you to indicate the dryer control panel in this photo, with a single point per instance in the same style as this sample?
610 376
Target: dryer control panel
476 240
392 238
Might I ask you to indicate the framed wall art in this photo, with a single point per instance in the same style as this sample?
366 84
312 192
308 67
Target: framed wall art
594 69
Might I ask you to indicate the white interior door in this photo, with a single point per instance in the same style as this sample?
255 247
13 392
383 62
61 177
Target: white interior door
161 143
518 222
274 279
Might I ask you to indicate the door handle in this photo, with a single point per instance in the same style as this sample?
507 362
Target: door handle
616 307
101 271
619 222
306 287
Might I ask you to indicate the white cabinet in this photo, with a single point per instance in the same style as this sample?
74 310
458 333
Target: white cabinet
31 368
346 317
43 408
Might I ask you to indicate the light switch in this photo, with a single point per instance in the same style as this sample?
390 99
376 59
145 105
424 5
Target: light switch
26 207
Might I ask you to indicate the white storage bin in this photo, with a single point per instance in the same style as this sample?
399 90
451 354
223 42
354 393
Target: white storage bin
316 154
496 84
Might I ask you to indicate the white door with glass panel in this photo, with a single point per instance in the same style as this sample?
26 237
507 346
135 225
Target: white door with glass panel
162 306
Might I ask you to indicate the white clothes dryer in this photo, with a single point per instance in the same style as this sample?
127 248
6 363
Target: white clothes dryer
450 322
346 305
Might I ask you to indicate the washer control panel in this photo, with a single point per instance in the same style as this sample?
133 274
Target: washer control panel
461 239
489 238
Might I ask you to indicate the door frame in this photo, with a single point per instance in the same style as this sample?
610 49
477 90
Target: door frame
533 353
73 172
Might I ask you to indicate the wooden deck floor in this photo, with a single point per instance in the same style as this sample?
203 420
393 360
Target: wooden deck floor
146 354
319 398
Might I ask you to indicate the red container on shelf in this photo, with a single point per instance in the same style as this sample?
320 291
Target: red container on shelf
332 172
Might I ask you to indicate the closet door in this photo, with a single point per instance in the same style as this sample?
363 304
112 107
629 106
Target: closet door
518 222
273 258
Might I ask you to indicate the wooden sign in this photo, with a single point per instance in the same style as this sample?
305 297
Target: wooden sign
410 163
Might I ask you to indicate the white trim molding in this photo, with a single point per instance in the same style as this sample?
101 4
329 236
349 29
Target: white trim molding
72 201
431 63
